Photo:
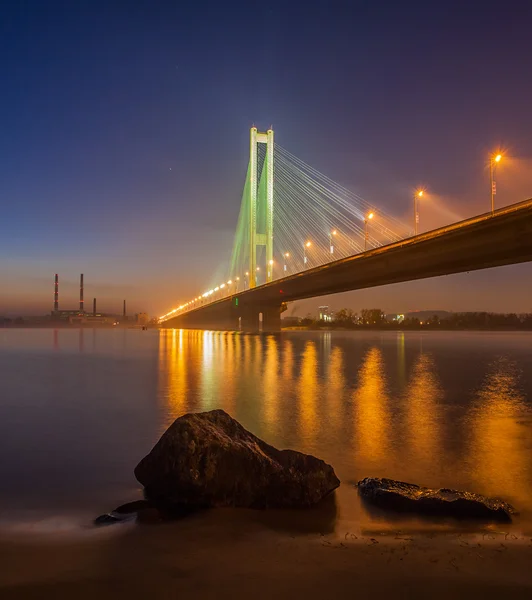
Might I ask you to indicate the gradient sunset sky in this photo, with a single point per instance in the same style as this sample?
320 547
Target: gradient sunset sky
125 135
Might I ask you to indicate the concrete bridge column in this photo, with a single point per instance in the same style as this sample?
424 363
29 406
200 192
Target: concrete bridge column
260 318
271 318
249 319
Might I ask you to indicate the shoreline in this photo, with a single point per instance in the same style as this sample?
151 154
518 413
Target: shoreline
239 553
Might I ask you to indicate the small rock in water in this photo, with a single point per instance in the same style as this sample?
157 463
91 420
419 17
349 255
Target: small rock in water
408 497
208 459
114 517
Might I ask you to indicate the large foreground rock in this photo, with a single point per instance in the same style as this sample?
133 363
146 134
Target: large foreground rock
209 459
407 497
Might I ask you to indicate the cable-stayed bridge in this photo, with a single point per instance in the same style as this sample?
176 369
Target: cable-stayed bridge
300 234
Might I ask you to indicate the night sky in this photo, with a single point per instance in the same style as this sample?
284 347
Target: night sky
125 135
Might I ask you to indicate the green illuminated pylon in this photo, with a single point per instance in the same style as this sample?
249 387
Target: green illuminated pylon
260 199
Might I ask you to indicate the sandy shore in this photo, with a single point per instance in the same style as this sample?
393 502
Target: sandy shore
250 554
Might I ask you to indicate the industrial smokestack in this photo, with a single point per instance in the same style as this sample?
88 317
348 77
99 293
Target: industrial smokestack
81 293
124 313
94 307
56 293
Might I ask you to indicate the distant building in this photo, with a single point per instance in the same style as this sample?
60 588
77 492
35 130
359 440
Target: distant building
143 318
66 315
325 313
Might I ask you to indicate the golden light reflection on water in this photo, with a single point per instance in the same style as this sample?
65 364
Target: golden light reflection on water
308 391
271 381
401 362
288 360
423 424
300 388
371 406
500 449
207 380
173 373
335 386
227 377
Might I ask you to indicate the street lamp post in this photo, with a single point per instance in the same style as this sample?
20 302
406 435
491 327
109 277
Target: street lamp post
366 220
331 233
305 246
418 194
246 280
493 185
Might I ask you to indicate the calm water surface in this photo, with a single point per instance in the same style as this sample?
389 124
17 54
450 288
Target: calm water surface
80 408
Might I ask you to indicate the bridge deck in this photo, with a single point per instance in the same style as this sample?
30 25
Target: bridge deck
485 241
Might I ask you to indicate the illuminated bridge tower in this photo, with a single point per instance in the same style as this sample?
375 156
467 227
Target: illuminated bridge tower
260 204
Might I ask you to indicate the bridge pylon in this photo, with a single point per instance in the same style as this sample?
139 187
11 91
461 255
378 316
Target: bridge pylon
264 238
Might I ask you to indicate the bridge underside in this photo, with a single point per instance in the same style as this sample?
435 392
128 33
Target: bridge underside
483 242
228 316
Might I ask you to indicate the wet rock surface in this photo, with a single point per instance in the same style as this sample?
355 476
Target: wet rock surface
208 459
408 497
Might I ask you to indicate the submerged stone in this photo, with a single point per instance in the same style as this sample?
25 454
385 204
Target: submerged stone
408 497
208 459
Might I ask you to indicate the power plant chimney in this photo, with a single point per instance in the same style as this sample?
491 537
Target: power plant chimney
81 293
94 307
56 293
124 313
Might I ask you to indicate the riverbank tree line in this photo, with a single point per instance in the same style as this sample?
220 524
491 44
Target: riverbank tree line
374 318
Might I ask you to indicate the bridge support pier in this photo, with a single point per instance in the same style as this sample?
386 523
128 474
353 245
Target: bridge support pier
252 318
260 318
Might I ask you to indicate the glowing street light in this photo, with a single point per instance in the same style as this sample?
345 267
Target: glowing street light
331 233
305 246
418 194
270 270
494 159
285 255
366 220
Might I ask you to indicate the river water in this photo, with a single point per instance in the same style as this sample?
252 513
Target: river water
80 408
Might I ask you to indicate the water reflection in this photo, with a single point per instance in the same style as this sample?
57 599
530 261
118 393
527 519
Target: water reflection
335 387
423 414
173 373
371 406
308 389
309 392
288 359
271 381
401 362
207 382
501 436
